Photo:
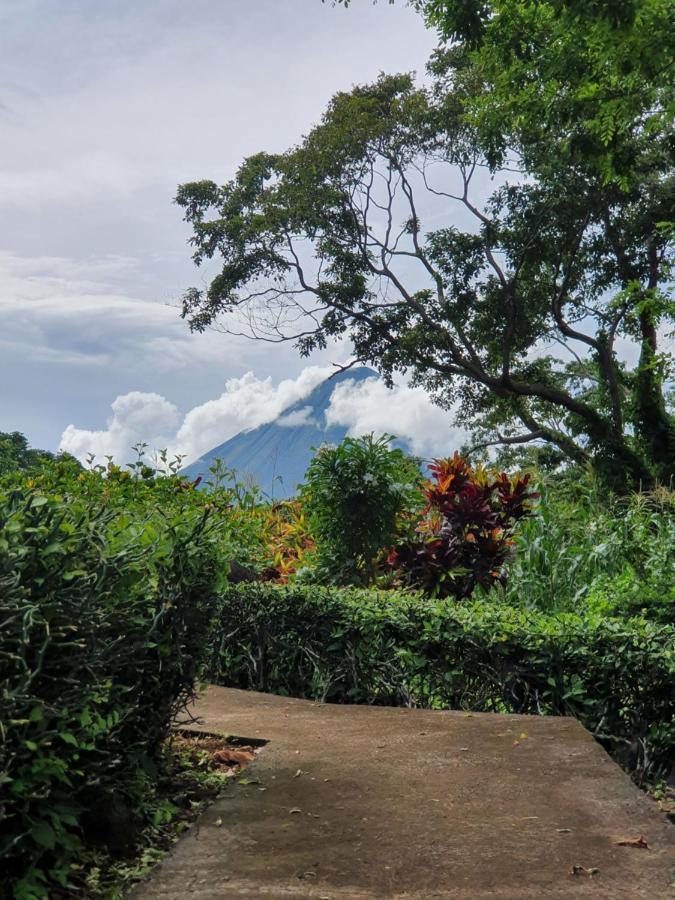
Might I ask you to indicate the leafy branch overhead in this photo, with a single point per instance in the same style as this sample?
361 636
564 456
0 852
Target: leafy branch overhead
491 258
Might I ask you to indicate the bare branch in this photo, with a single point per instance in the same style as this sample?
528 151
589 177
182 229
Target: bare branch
345 368
503 440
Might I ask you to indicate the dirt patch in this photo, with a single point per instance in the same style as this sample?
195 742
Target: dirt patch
216 753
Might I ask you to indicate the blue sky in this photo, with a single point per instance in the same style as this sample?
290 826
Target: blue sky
105 108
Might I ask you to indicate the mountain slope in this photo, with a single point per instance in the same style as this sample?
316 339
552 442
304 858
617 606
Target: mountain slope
276 455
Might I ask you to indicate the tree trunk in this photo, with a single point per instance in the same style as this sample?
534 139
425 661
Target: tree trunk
653 425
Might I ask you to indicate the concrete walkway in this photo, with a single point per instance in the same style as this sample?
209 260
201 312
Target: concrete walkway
364 802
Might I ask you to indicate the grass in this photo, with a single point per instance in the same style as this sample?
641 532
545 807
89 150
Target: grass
583 550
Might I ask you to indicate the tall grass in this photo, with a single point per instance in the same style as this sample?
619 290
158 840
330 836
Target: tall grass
585 549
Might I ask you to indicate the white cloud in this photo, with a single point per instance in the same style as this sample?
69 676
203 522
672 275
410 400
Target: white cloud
99 125
249 401
136 417
83 124
81 313
298 417
407 413
245 403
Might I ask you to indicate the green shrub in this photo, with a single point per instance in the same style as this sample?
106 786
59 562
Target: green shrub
356 495
106 595
365 646
629 594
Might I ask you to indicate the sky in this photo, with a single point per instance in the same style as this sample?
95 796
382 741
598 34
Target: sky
104 109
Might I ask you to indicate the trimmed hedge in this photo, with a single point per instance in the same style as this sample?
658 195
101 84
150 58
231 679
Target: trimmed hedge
365 646
104 616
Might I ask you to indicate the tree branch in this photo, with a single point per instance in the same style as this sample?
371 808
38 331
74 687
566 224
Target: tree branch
503 440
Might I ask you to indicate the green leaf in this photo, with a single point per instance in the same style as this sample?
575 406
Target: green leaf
43 834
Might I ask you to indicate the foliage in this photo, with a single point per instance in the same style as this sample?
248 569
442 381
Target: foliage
465 535
604 71
113 600
15 454
356 495
587 551
286 534
365 646
518 317
107 588
152 484
185 785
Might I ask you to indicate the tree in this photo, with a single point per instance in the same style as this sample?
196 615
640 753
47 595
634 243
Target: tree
507 301
17 456
15 453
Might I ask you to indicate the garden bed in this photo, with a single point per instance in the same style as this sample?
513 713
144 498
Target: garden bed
197 768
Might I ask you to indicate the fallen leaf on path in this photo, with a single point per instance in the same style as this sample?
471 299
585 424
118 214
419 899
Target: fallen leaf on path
295 810
298 773
563 830
233 757
634 842
218 822
582 870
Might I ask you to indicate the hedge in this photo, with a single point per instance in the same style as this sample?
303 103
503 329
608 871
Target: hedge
104 615
364 646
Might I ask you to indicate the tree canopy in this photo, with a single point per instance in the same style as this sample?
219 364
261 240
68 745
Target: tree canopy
511 258
587 74
16 454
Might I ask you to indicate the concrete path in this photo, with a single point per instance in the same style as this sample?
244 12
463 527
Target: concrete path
364 802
